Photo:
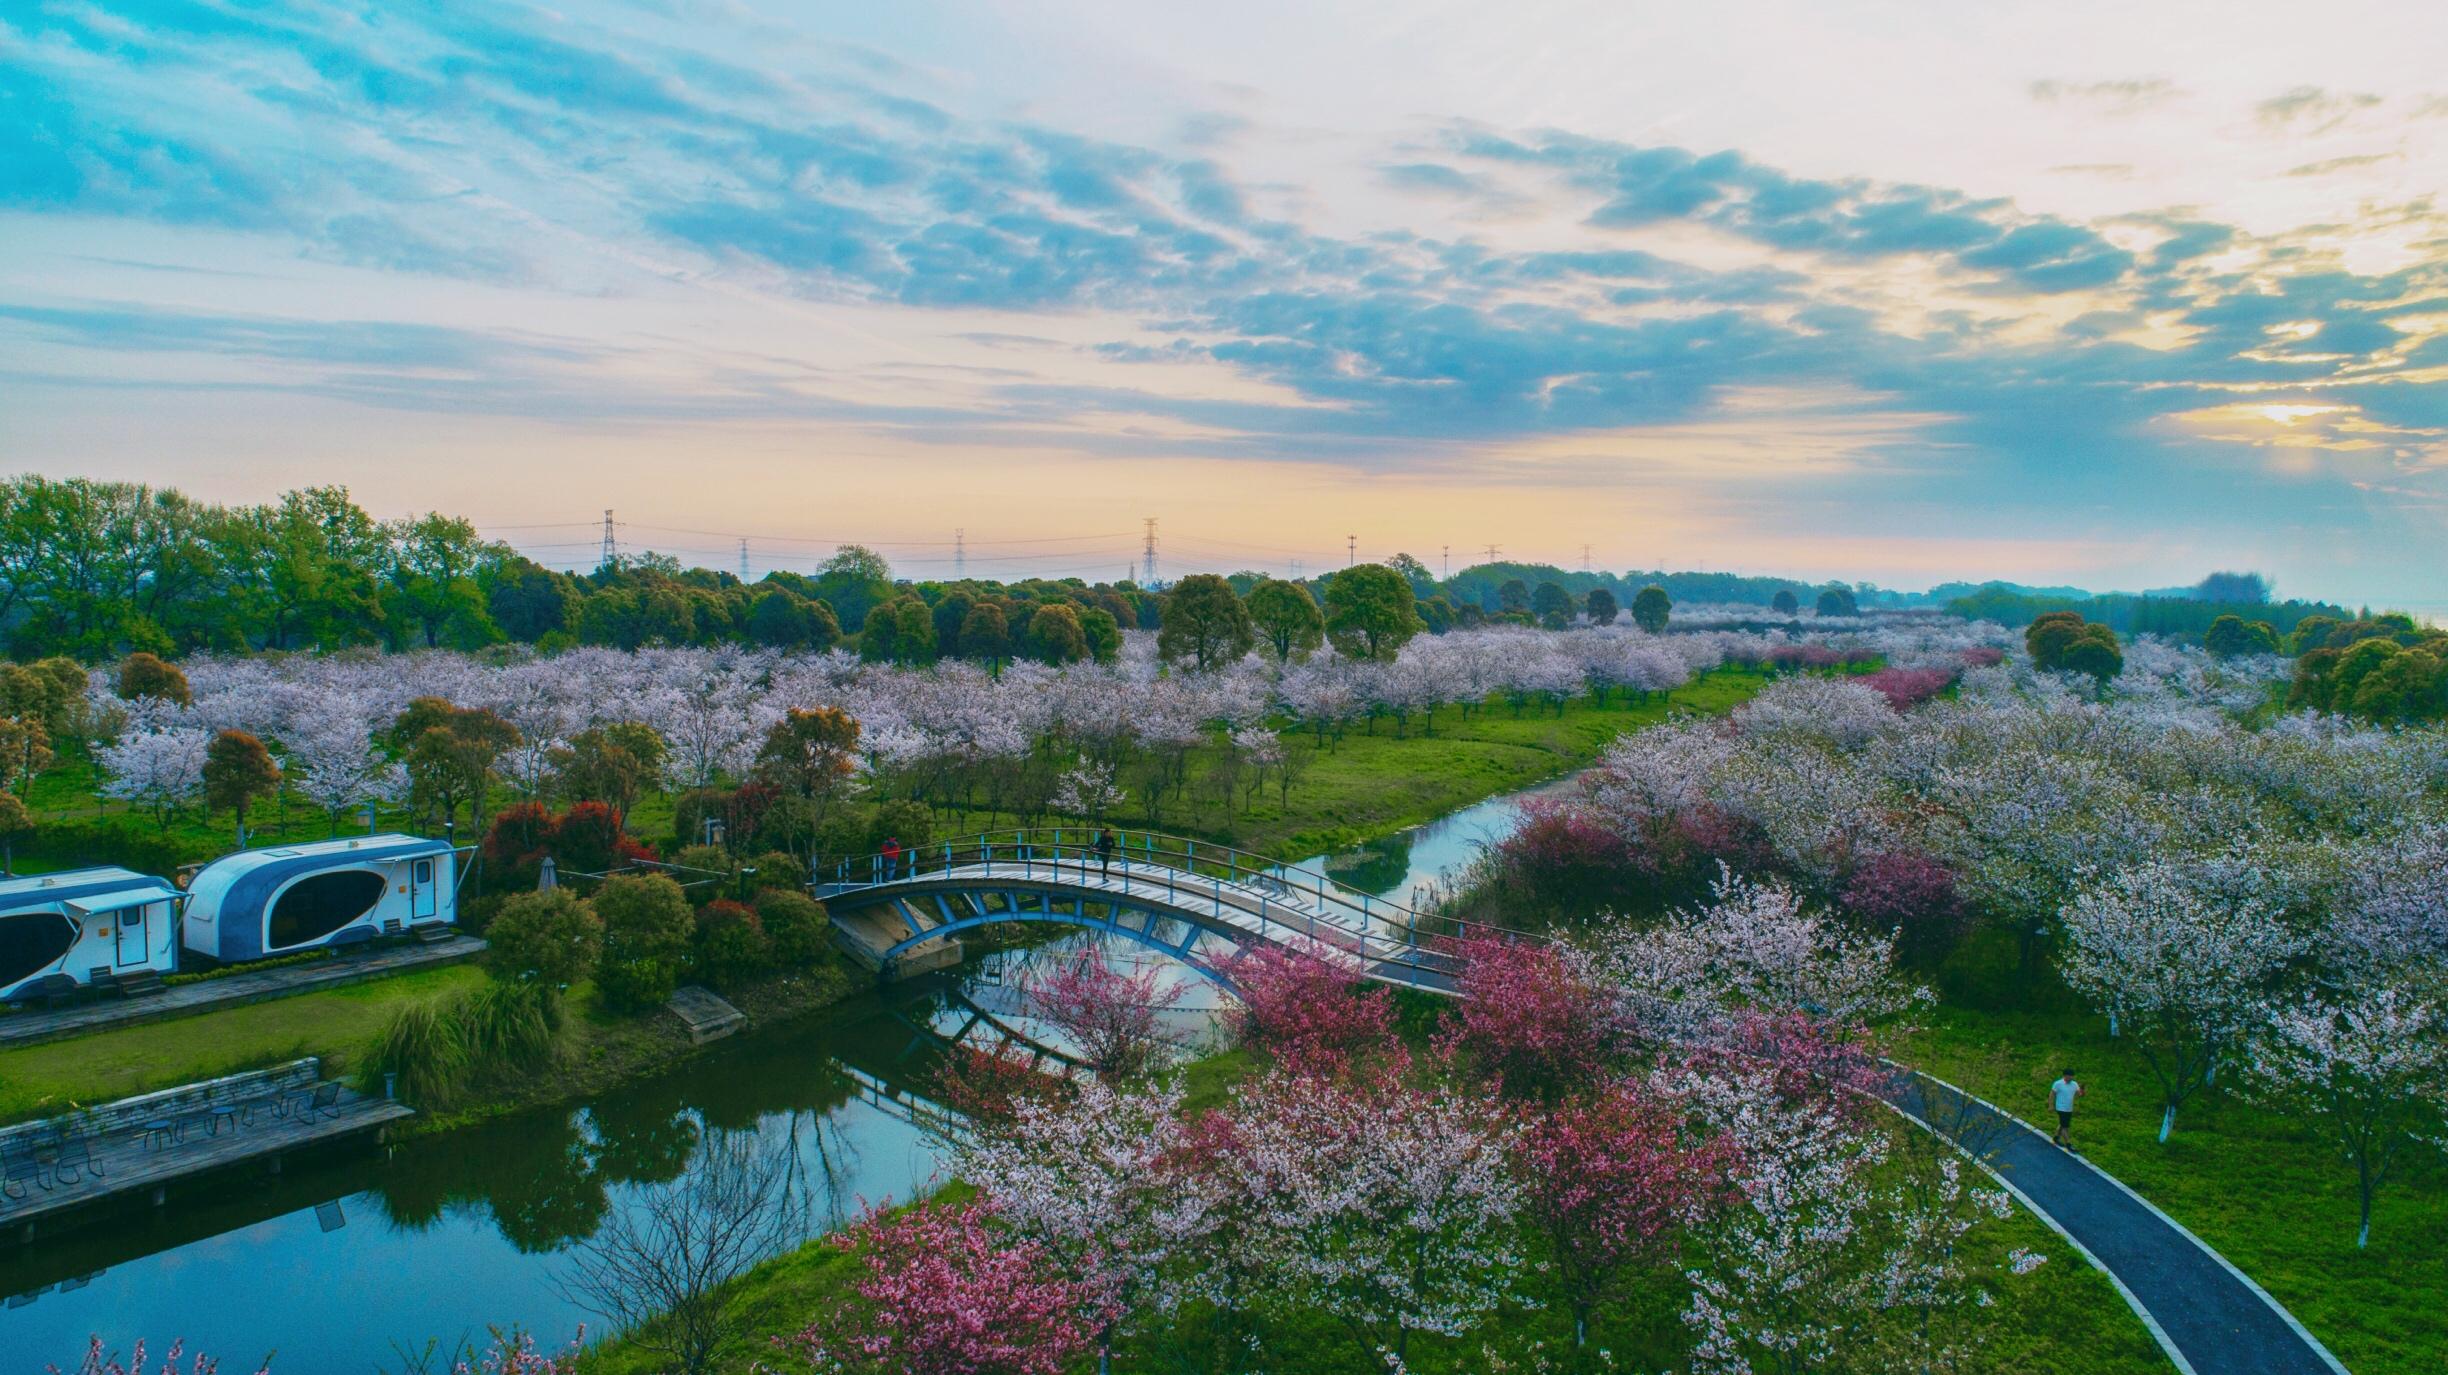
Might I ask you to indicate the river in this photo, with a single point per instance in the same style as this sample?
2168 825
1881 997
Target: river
356 1263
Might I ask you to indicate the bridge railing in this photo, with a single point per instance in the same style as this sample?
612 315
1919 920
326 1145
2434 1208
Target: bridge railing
1286 904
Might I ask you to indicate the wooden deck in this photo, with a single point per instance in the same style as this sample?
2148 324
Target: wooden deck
707 1017
141 1164
189 999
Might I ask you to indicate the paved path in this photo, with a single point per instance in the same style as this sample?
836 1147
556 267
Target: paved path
2208 1317
255 986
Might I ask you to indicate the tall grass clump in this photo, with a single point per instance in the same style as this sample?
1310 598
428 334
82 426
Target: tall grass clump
424 1046
508 1025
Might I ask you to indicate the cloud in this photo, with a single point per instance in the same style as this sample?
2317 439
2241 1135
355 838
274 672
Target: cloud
2311 109
2130 96
2105 171
2331 166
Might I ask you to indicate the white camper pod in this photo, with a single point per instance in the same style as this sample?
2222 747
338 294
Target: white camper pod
259 903
72 929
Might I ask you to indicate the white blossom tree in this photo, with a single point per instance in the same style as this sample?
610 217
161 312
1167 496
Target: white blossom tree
2182 973
2375 1070
161 769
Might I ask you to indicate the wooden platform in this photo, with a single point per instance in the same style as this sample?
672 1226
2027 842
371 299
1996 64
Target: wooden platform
28 1028
138 1147
707 1017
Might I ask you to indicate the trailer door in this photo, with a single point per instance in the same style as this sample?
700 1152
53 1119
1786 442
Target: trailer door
135 934
421 889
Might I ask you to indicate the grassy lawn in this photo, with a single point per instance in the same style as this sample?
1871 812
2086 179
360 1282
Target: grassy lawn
335 1024
2268 1192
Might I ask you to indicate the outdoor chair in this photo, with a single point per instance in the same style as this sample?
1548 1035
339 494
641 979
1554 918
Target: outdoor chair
76 1151
325 1099
19 1166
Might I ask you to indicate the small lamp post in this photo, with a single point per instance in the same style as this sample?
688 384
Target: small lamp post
714 830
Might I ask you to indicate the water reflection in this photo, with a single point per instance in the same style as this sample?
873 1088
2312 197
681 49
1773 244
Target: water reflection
342 1264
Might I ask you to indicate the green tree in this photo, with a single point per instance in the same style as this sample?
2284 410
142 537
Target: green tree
15 821
854 581
2048 637
1552 605
1513 598
1370 612
450 752
811 755
434 585
1055 635
985 634
647 927
1838 601
1286 617
1103 634
2096 654
913 632
1650 609
880 635
1423 580
551 938
950 615
783 619
238 771
612 764
146 675
1205 624
1785 603
2231 636
1600 607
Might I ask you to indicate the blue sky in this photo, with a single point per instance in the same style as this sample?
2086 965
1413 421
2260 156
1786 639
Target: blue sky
1874 290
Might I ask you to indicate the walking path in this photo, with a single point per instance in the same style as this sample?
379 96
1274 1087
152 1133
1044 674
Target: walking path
2207 1316
205 995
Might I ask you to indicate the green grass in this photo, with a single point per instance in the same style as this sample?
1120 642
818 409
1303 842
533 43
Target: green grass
2267 1191
336 1024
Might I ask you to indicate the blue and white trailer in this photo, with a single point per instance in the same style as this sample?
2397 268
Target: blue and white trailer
278 901
84 926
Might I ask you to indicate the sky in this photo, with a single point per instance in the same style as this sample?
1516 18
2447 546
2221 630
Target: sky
2071 292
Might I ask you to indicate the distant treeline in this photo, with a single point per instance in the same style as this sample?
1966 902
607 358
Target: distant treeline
2175 617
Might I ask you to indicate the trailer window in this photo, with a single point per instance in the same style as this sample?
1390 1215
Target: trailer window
319 904
32 941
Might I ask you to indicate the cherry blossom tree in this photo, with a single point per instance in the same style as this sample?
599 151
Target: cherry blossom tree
100 1360
160 769
1608 1181
2375 1069
1114 1019
2182 973
1306 1011
1385 1208
1531 1018
942 1291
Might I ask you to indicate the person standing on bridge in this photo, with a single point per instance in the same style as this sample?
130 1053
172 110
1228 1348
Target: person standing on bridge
1105 849
2062 1094
892 857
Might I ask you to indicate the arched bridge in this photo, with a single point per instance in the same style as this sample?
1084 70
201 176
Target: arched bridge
1203 904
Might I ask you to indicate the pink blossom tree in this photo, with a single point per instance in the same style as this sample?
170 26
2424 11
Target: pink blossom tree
1114 1019
1307 1014
943 1292
100 1360
1608 1181
1529 1019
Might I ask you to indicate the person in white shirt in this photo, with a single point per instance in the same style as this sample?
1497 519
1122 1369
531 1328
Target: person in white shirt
2063 1093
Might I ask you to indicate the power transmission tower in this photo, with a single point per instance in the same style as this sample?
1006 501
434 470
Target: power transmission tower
960 553
1147 555
1491 553
743 561
1585 558
1351 550
1296 570
1449 563
611 546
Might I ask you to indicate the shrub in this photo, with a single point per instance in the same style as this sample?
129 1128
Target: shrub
647 928
477 912
515 844
731 944
425 1047
796 924
710 857
551 937
147 675
777 869
636 984
588 839
1305 1014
